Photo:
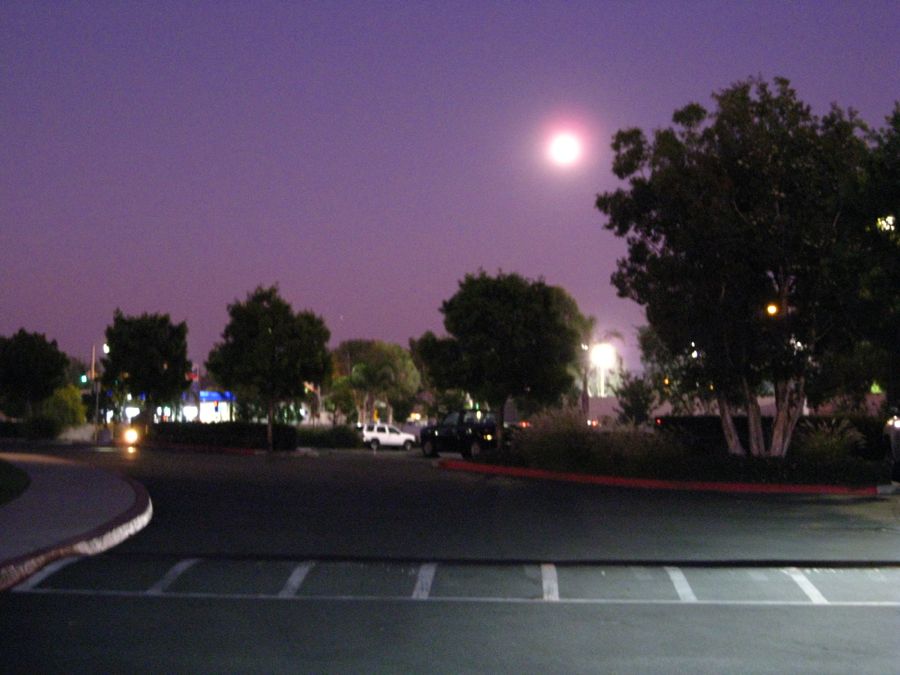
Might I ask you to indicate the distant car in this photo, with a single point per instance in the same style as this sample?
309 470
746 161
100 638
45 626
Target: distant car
376 434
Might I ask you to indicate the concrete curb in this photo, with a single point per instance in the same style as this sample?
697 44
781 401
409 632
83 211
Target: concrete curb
657 484
97 540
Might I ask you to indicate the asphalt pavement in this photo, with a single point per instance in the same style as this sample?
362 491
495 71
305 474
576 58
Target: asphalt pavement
71 508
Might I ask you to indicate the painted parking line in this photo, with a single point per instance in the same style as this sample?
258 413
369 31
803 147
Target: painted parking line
682 587
424 579
172 575
45 572
546 583
550 582
292 585
813 593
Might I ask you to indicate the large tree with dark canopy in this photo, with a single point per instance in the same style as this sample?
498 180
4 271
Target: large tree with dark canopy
742 243
268 351
147 358
31 369
509 338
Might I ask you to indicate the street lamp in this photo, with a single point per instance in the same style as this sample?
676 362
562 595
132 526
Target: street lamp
603 357
96 386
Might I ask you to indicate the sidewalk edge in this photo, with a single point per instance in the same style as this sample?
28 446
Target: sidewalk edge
101 538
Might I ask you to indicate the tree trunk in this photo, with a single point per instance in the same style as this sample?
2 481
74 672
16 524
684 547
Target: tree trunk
270 435
728 428
757 439
790 396
500 417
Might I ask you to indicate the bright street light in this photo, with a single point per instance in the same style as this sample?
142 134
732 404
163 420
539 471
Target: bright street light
603 357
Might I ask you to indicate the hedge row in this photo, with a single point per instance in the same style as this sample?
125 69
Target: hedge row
703 434
328 437
39 427
249 435
560 441
223 435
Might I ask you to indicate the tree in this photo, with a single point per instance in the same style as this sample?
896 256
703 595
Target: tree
435 359
740 245
268 352
64 406
636 399
147 359
879 211
676 379
31 369
378 371
509 338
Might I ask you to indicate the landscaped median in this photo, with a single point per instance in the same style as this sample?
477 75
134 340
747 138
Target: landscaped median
829 457
655 483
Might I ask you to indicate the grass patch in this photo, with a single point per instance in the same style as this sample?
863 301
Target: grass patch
13 482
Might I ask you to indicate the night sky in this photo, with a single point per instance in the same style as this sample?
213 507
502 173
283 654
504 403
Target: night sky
365 156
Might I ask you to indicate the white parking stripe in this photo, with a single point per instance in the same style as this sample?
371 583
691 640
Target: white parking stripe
813 593
177 570
295 580
550 582
45 572
682 587
423 581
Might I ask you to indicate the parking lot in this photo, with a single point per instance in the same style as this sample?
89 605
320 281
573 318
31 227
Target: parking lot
148 575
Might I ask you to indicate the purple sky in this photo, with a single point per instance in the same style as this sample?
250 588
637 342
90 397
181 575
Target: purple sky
169 157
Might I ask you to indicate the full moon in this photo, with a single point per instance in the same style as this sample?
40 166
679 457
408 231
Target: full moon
564 149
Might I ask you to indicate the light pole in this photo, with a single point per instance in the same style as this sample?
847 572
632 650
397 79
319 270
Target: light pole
95 383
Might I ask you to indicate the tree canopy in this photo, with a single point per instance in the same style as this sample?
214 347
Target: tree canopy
509 338
375 371
147 358
742 243
31 369
268 351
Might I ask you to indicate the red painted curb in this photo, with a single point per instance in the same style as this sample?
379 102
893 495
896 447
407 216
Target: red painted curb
655 484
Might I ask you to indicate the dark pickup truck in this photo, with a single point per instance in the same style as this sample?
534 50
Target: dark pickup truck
469 432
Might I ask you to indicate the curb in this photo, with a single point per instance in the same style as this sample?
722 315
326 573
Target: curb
100 539
658 484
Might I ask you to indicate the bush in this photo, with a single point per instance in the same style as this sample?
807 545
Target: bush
10 429
41 427
827 439
556 440
224 435
64 406
328 437
561 441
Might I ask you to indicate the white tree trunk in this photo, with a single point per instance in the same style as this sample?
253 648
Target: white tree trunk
728 428
754 423
790 396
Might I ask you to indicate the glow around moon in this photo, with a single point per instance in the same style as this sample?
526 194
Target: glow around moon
564 149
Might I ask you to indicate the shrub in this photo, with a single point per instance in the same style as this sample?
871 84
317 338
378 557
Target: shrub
562 441
41 427
10 429
64 406
558 440
328 437
224 434
828 439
